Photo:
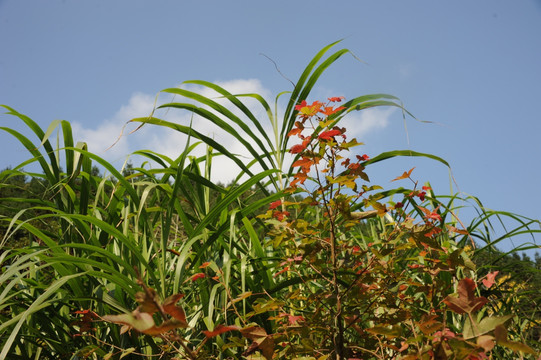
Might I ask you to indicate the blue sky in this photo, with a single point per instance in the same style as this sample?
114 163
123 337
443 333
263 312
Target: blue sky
474 67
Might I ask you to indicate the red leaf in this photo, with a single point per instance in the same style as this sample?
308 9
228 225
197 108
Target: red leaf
293 319
363 158
303 162
299 178
295 149
489 281
280 215
85 322
275 204
336 99
220 329
197 276
294 131
281 271
431 215
177 312
301 105
328 135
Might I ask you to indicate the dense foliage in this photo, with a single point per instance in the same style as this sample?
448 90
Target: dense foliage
301 261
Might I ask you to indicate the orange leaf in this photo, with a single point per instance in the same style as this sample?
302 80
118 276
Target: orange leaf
177 312
281 271
204 265
405 175
295 149
336 98
329 134
299 178
294 131
309 110
456 230
329 110
302 162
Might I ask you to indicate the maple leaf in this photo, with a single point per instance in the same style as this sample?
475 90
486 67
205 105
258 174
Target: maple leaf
220 329
85 322
489 281
294 131
336 98
295 149
177 312
304 162
363 158
260 341
329 110
329 134
301 105
280 215
345 180
431 215
275 204
306 110
429 324
466 301
299 178
456 230
405 175
197 276
294 319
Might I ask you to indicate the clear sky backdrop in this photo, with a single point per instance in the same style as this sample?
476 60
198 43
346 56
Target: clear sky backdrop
472 66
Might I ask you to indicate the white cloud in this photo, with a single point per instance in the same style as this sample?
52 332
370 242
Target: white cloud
110 138
172 143
166 141
359 124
